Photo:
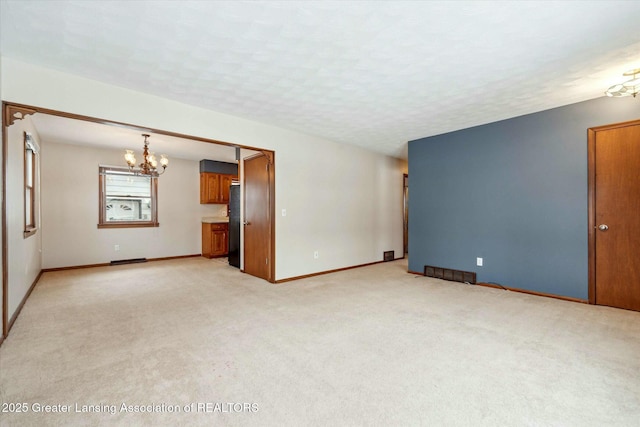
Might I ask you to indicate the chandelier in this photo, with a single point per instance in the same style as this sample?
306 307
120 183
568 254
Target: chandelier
630 87
149 166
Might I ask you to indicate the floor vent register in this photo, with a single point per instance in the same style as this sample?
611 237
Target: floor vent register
450 274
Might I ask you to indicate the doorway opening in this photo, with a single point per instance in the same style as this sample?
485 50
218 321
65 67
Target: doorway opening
405 214
12 113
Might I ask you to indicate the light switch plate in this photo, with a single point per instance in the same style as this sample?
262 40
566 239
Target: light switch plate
479 262
284 212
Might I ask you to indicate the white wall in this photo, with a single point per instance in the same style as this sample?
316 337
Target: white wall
70 210
344 201
24 260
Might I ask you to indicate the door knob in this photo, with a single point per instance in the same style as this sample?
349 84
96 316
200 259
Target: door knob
603 227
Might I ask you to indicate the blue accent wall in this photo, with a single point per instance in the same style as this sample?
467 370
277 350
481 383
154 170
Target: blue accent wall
513 192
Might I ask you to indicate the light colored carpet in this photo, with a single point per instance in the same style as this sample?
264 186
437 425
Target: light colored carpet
369 346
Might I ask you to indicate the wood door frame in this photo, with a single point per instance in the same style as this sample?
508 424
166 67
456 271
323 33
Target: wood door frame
12 111
405 215
271 174
591 167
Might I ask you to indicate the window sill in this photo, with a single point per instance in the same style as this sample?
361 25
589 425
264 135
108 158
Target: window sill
129 225
29 232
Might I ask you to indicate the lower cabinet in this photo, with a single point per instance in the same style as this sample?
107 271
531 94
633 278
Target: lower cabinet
215 239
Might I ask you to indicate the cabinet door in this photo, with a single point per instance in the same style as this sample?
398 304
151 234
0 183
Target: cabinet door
225 183
218 242
206 240
203 188
213 188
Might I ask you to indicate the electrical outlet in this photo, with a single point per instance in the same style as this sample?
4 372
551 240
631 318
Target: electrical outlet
479 262
116 248
316 255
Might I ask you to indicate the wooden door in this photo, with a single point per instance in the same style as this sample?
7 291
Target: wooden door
258 177
614 218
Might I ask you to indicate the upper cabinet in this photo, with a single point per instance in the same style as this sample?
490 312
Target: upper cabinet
214 187
225 183
215 180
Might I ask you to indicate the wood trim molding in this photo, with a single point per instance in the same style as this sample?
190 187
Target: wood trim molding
5 273
169 258
24 300
405 214
102 221
320 273
271 156
253 156
29 232
15 112
106 264
130 225
75 267
591 222
540 294
523 291
30 109
635 122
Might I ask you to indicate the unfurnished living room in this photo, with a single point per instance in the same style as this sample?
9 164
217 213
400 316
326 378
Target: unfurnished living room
270 213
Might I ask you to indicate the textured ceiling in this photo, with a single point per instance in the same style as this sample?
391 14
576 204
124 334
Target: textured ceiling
375 74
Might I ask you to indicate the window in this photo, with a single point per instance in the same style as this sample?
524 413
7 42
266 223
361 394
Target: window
30 150
127 200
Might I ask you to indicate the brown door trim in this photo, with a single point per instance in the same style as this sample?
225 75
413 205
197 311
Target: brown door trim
6 122
13 111
405 216
591 165
11 108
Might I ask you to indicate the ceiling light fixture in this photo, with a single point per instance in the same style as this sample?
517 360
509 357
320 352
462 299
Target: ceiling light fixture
629 88
150 164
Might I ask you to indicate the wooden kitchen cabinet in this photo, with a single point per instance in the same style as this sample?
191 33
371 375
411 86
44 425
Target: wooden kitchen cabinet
214 187
215 239
209 187
225 183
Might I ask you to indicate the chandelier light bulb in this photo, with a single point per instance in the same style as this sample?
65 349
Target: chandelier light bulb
130 157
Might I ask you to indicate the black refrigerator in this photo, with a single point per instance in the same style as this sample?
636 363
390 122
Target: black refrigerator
234 225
